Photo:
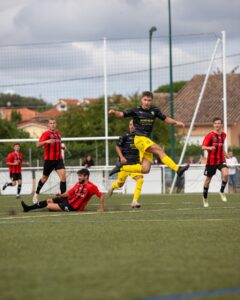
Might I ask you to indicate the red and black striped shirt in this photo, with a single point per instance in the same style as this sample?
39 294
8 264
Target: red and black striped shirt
80 194
52 151
12 158
215 157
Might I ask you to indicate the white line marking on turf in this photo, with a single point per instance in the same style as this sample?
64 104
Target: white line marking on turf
68 214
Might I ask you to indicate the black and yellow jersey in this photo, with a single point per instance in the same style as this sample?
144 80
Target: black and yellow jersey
129 151
143 119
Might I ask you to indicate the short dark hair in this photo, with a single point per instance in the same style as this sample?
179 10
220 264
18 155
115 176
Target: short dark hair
16 144
84 172
217 119
147 94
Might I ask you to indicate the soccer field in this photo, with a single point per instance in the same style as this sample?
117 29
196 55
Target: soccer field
172 248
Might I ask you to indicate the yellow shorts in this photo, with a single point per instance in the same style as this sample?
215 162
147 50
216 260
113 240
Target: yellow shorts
122 176
142 143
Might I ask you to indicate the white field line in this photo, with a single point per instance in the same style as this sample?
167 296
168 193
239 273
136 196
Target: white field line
69 214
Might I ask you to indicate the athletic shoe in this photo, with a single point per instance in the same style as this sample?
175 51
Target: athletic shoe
116 169
223 197
205 202
25 206
135 204
35 198
5 185
181 170
110 192
18 196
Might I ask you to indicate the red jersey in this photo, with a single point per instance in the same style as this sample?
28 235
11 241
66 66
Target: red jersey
15 157
80 194
52 151
215 157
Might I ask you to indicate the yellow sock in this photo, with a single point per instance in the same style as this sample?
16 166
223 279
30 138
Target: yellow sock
115 185
132 168
170 163
138 189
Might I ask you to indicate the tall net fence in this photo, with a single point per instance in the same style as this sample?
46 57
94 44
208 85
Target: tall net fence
76 69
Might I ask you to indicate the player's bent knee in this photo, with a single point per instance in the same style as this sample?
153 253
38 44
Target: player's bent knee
145 169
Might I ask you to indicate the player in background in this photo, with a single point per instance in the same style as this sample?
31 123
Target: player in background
74 199
128 155
143 120
15 162
214 144
51 141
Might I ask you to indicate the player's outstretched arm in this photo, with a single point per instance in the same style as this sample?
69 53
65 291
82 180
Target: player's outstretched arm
175 122
101 204
116 113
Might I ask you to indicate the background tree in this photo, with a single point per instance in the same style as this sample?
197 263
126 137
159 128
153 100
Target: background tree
16 117
177 86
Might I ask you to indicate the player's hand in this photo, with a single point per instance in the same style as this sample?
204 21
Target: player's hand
111 111
58 195
123 160
179 123
212 148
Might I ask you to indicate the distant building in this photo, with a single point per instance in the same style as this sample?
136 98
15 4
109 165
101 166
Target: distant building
185 102
26 113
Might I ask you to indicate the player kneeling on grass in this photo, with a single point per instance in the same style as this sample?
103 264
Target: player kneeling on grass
214 144
74 199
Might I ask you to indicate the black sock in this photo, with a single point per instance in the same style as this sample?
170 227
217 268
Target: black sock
40 185
223 186
19 189
205 192
38 205
9 184
63 187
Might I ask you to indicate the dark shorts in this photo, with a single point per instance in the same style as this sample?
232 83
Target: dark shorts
63 204
16 176
211 170
50 165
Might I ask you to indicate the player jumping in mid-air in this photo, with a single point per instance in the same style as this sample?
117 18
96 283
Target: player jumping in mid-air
74 199
15 162
143 119
128 155
214 144
51 141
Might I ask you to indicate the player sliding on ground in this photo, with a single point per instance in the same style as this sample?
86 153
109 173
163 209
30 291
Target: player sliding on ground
129 155
214 144
143 119
74 199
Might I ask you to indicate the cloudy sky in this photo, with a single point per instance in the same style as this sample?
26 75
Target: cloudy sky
79 21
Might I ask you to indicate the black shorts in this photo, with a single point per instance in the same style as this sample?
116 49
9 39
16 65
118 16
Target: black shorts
63 204
50 165
16 176
211 170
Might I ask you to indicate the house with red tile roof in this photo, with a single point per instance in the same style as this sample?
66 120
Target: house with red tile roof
185 102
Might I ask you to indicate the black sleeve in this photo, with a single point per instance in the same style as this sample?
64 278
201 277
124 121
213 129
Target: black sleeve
120 142
128 113
159 114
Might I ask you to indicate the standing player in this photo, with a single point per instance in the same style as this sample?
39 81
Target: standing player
15 162
214 144
143 120
51 141
74 199
128 155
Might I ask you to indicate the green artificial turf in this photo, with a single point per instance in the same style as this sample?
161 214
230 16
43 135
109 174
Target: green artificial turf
172 245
